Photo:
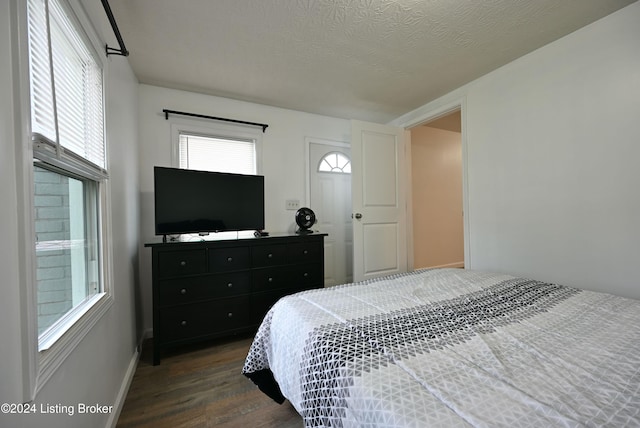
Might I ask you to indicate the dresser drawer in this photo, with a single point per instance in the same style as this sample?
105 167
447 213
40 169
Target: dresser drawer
301 252
298 277
231 258
302 276
186 262
270 279
205 318
190 289
269 255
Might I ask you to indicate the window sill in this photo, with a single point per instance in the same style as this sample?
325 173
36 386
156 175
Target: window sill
50 336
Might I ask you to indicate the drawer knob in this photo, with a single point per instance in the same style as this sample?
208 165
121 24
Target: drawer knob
183 291
270 255
183 323
305 252
229 259
305 274
230 284
230 314
270 279
183 263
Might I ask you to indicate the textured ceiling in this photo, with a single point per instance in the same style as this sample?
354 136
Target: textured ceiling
358 59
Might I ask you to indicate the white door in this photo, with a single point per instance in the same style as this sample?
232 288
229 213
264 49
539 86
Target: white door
330 199
378 200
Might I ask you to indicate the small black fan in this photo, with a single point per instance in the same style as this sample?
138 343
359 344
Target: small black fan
305 218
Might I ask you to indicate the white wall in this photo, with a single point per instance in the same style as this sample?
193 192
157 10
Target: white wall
97 369
553 146
283 155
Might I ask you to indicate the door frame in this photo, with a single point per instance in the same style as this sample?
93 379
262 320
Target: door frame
417 118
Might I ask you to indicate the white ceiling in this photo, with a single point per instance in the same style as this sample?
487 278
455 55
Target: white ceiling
371 60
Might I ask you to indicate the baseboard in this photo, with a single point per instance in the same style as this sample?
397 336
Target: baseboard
124 389
449 265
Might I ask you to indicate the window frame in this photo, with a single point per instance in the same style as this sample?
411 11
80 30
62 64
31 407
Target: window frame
40 365
187 137
336 169
92 220
211 130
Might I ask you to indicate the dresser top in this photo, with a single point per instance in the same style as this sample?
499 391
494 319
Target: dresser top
213 240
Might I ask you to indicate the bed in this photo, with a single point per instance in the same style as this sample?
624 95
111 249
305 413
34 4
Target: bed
452 347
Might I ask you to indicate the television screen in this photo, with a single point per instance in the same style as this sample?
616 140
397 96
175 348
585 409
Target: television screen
189 201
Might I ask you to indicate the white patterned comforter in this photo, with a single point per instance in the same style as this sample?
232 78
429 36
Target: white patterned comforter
452 347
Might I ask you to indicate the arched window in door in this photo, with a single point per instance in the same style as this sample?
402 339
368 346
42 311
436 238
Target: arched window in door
335 162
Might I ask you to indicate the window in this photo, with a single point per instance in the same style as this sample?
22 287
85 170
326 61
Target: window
209 153
69 170
335 162
67 268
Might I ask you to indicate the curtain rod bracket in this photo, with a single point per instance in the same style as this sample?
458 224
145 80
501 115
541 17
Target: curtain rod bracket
166 112
114 51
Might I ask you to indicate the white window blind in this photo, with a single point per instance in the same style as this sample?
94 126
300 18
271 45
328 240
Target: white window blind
42 118
66 90
217 154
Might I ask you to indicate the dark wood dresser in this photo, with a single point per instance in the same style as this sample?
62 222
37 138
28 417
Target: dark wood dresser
208 289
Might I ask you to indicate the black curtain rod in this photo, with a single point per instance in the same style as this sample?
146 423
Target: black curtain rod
113 51
167 112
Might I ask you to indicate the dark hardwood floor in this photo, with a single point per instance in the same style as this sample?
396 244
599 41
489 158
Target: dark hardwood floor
201 386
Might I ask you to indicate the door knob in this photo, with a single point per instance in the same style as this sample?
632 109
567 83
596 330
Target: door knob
358 216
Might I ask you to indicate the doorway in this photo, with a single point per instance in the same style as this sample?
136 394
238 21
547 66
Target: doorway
330 194
437 187
330 198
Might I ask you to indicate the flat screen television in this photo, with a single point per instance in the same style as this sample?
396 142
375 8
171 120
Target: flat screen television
189 201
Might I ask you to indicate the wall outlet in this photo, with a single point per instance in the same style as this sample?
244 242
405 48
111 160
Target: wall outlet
292 204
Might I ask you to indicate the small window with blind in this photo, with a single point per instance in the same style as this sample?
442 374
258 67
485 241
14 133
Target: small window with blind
70 171
217 154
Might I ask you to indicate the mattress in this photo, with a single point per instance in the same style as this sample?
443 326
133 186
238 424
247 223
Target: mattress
452 347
